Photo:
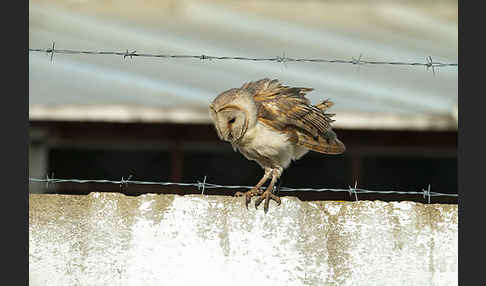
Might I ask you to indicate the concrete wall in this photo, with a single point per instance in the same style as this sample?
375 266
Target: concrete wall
112 239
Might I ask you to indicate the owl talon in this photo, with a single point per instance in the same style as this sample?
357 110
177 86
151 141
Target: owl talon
267 196
248 195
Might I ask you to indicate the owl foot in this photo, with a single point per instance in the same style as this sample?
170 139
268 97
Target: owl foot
267 196
248 195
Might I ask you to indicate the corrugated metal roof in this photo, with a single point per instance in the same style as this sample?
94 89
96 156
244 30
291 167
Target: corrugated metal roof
96 87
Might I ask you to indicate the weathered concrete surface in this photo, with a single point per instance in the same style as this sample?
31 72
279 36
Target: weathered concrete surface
112 239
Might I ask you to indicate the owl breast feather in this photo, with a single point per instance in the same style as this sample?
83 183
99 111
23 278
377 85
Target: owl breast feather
268 147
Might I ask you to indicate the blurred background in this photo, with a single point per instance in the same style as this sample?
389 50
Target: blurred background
108 117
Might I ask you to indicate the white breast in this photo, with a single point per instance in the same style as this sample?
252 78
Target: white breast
269 147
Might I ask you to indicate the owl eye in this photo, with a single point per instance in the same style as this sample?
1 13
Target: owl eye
232 121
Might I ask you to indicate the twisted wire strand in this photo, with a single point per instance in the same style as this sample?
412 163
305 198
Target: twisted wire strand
206 185
281 59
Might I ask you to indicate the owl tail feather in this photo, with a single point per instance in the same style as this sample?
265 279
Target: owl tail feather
324 105
329 145
333 148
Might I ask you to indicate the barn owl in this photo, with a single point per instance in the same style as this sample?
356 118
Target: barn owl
273 125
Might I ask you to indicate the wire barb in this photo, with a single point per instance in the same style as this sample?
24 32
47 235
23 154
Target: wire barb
51 50
131 55
202 185
354 190
282 59
427 193
357 61
124 182
48 180
430 64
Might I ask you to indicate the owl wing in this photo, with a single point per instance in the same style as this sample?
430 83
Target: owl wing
286 109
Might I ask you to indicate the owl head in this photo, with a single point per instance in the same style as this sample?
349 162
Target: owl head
233 112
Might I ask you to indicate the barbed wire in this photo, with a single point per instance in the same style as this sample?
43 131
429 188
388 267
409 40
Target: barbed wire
429 63
204 185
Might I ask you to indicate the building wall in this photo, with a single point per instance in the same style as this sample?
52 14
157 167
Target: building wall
112 239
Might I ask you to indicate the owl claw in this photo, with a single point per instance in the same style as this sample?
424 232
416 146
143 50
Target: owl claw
248 195
267 196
